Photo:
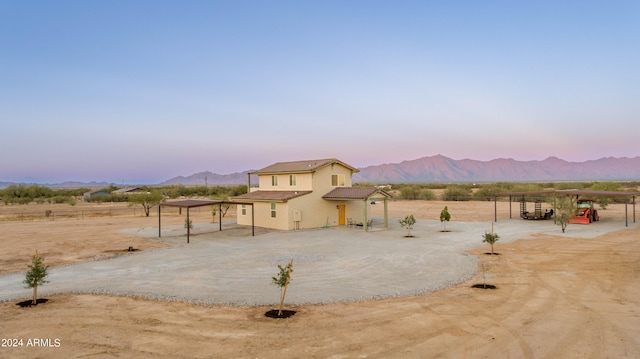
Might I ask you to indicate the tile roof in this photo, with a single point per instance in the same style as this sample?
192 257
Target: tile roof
302 166
270 195
352 193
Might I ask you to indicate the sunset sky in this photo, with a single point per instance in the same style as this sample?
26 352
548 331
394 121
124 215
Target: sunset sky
139 92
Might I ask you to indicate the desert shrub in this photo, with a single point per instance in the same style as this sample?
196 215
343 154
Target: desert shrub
604 201
59 199
175 191
416 191
457 193
99 198
526 187
487 192
409 192
427 194
570 185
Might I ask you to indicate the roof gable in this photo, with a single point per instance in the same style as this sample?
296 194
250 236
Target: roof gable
354 193
302 166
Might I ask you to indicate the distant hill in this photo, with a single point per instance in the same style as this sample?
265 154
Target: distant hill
209 178
67 184
443 169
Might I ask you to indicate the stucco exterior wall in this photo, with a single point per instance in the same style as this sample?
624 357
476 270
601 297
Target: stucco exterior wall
303 182
262 215
315 212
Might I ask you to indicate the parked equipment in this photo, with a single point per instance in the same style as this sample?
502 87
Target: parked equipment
586 213
537 213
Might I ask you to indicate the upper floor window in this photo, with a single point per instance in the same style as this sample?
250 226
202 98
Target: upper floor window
337 180
292 180
274 180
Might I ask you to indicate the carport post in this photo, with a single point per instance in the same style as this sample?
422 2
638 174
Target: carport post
626 214
253 228
159 224
495 209
386 213
188 225
364 225
220 215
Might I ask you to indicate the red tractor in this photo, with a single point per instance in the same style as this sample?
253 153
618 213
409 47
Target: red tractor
586 213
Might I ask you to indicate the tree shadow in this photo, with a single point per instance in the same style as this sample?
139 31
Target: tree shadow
29 303
274 314
484 286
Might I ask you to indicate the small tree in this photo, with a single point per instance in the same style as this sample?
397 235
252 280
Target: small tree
36 275
146 200
490 238
188 224
565 210
214 211
604 201
445 217
282 280
408 222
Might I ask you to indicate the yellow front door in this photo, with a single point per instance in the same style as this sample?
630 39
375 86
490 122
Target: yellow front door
341 215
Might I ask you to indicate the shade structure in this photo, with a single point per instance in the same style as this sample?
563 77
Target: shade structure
192 203
571 192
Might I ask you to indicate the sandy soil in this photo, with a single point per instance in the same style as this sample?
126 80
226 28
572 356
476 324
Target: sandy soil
556 297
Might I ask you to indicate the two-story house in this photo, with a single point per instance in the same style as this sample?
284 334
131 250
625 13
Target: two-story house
308 194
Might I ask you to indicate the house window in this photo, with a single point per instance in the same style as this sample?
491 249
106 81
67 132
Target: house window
337 180
274 180
292 180
244 209
273 210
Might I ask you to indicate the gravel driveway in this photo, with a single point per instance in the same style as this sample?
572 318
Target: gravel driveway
333 264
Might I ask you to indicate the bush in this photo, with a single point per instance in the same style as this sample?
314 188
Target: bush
457 193
487 192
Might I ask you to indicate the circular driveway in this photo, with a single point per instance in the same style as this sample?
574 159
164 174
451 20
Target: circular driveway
335 264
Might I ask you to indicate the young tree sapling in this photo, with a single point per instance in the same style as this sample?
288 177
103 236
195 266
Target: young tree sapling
282 280
490 238
445 217
408 222
36 275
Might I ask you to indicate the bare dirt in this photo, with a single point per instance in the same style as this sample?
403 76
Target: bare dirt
555 297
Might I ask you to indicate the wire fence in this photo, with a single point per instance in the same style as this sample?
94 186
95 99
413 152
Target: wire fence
92 213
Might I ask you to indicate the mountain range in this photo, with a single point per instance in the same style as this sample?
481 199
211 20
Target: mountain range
442 169
439 168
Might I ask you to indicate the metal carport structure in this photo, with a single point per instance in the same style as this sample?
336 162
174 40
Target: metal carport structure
576 192
192 203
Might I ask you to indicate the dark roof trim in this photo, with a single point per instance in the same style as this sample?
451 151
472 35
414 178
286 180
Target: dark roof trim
270 196
191 203
572 192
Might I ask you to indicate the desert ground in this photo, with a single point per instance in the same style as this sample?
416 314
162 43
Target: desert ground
557 296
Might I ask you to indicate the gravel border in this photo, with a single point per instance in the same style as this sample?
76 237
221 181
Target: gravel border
330 265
